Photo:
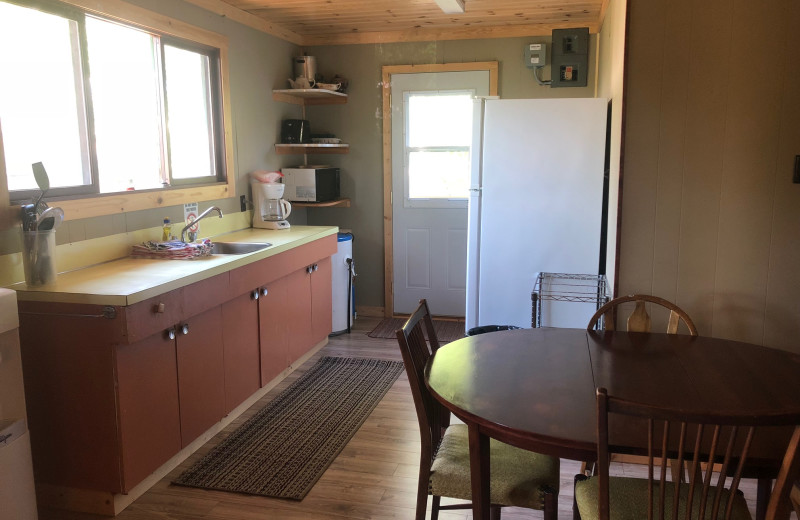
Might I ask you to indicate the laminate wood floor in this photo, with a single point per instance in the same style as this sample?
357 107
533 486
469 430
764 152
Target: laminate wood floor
373 478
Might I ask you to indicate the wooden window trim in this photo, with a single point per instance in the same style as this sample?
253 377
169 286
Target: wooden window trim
113 203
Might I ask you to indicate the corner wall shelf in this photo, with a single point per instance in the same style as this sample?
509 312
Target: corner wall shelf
309 96
287 149
338 203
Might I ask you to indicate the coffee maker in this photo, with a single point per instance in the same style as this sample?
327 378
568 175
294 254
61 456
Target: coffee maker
270 210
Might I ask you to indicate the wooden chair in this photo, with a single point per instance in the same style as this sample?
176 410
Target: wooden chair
795 498
639 320
519 478
722 441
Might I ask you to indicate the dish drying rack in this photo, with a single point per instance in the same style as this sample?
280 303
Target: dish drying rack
568 287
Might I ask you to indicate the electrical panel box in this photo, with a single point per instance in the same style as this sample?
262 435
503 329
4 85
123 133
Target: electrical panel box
570 58
535 55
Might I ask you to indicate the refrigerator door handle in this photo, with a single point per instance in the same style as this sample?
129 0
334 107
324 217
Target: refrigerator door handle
476 189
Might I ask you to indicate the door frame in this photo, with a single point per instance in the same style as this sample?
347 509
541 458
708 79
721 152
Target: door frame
386 81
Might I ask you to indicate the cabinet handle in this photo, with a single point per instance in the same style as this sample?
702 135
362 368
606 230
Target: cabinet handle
264 291
159 308
254 294
316 267
185 329
171 333
309 269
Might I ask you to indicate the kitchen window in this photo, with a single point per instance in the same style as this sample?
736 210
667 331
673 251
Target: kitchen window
111 106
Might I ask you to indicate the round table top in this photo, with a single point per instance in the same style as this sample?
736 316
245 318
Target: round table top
535 388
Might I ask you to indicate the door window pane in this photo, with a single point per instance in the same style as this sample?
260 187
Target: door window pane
439 119
125 93
438 141
189 115
41 98
438 175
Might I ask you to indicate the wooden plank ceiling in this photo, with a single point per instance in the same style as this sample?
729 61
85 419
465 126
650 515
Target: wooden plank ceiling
330 22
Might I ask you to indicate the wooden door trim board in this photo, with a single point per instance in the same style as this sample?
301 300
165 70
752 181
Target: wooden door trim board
386 81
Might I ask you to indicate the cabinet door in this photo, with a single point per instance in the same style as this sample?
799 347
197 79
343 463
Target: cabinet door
201 378
321 301
240 349
273 316
150 430
298 320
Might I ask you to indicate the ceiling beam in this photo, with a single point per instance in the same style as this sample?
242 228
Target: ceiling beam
422 35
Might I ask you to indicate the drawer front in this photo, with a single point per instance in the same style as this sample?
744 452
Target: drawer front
153 315
201 296
270 269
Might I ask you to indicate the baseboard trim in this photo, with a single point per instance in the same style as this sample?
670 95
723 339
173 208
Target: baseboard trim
369 312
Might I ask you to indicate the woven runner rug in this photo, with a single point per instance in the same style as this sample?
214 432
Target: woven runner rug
446 331
286 447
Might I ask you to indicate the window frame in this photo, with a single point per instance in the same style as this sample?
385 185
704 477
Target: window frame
80 206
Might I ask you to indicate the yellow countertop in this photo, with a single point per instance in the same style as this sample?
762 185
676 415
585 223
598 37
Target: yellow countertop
126 281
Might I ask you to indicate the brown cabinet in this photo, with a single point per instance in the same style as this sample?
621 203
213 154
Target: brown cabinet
149 421
273 318
114 392
240 343
310 303
201 373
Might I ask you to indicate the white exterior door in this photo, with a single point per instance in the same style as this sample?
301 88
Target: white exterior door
431 141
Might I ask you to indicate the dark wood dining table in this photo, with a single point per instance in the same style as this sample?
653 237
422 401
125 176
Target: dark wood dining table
535 389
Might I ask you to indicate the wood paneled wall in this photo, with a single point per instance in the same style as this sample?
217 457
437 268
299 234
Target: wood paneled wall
710 217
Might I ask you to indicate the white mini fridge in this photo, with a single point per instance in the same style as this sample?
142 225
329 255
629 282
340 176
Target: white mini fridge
17 494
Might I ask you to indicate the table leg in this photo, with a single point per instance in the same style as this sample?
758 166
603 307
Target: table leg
479 472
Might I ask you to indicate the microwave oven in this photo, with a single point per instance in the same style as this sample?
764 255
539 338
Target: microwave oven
311 183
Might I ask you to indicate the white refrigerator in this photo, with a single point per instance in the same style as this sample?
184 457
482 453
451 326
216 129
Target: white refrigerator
535 205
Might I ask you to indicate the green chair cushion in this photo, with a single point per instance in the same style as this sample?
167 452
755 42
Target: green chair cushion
517 476
628 500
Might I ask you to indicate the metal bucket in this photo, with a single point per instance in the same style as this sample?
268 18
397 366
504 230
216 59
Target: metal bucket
305 66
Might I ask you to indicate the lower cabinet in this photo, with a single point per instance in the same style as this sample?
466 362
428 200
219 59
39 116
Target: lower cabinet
201 373
149 415
274 311
114 392
240 343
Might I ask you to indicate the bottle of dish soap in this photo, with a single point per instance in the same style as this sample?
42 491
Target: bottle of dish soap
167 230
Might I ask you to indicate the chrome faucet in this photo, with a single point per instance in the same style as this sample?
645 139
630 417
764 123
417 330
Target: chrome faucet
203 215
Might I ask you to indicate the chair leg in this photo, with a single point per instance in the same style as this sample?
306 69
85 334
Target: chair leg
576 514
422 488
435 503
763 490
494 512
550 503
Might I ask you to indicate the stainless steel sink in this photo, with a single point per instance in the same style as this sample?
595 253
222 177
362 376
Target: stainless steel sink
237 248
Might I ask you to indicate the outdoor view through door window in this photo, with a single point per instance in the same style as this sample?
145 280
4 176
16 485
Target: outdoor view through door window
438 139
